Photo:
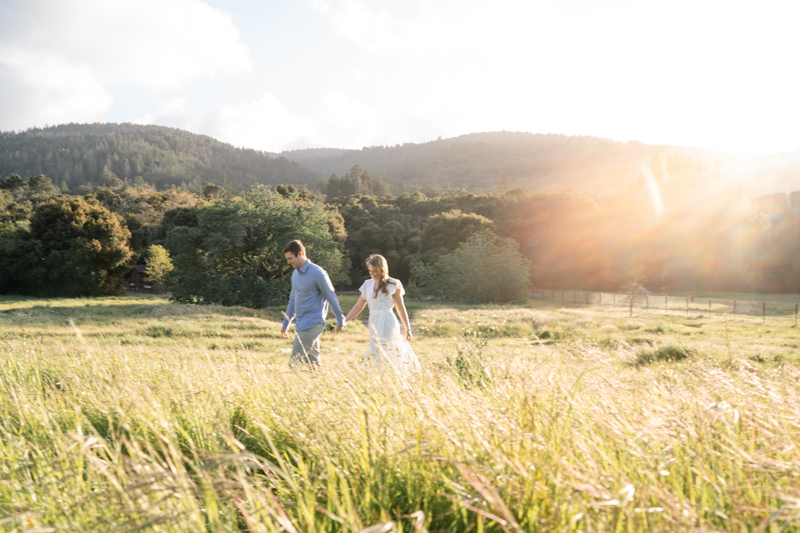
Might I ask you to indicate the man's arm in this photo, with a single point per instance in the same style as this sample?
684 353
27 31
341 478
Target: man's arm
327 291
289 315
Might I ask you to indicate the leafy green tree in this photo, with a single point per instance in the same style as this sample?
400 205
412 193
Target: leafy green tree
375 225
14 184
213 192
8 207
41 188
484 269
73 248
234 255
444 232
158 264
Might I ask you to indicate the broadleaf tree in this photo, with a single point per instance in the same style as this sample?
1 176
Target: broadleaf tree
483 269
72 248
234 255
157 265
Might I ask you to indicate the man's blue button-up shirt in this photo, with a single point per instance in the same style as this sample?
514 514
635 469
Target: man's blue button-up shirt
312 292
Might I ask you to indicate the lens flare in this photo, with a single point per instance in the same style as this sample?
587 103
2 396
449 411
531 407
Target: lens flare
654 191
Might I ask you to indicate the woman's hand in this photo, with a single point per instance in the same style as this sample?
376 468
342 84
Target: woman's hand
408 335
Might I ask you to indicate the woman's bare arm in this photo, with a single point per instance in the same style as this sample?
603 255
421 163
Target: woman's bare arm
356 310
401 310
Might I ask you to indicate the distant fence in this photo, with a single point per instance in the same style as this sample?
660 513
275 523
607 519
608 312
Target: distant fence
642 303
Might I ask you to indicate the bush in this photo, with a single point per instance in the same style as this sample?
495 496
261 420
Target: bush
668 353
484 269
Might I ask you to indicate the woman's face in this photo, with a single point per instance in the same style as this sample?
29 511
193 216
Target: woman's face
373 272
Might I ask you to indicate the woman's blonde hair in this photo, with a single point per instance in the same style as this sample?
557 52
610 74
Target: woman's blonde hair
379 263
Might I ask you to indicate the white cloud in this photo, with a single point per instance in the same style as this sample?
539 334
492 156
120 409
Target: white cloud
145 120
173 106
715 74
340 121
62 55
356 20
348 120
39 90
264 124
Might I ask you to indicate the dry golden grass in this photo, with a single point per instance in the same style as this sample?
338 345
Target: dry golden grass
152 416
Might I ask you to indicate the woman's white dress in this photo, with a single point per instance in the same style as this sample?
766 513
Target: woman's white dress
388 347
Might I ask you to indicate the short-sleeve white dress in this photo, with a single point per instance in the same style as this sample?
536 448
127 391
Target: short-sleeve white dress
387 346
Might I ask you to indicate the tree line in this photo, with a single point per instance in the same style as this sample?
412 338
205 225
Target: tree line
677 227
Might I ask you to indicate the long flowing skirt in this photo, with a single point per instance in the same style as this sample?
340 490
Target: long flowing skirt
388 347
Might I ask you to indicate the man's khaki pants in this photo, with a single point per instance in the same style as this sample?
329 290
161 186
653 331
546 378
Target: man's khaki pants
305 349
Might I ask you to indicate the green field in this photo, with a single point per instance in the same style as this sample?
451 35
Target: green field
136 414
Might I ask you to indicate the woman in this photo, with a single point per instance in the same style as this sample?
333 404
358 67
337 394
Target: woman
387 346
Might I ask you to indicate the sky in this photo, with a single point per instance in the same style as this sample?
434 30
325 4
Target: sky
281 75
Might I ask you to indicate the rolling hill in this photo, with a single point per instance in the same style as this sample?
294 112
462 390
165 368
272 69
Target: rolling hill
541 162
111 154
95 154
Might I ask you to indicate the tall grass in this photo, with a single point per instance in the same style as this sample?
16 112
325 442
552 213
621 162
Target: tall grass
165 433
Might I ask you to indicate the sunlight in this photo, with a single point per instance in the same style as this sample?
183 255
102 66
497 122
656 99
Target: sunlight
654 191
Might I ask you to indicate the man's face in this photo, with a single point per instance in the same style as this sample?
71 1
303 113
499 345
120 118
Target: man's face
296 261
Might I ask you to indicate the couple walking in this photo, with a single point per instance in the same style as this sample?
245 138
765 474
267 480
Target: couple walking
311 294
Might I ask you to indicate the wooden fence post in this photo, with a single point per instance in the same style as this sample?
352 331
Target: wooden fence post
734 309
687 306
764 311
709 307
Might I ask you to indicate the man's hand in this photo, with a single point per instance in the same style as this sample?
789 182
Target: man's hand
337 329
284 334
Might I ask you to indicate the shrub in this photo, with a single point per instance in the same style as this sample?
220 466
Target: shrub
668 353
484 269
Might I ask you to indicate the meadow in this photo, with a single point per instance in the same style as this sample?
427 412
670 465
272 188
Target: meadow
137 414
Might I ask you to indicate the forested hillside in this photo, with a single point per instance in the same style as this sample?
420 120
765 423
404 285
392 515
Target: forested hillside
72 155
110 155
677 231
542 162
499 160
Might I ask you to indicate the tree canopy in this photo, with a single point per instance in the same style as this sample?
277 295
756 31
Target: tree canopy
233 256
73 248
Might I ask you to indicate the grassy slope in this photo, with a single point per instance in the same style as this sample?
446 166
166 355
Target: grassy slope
170 417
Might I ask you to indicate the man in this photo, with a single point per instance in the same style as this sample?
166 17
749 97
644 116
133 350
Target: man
311 294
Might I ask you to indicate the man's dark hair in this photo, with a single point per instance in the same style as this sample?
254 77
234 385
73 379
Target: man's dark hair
295 247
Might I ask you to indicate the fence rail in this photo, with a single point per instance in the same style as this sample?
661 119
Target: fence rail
641 303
